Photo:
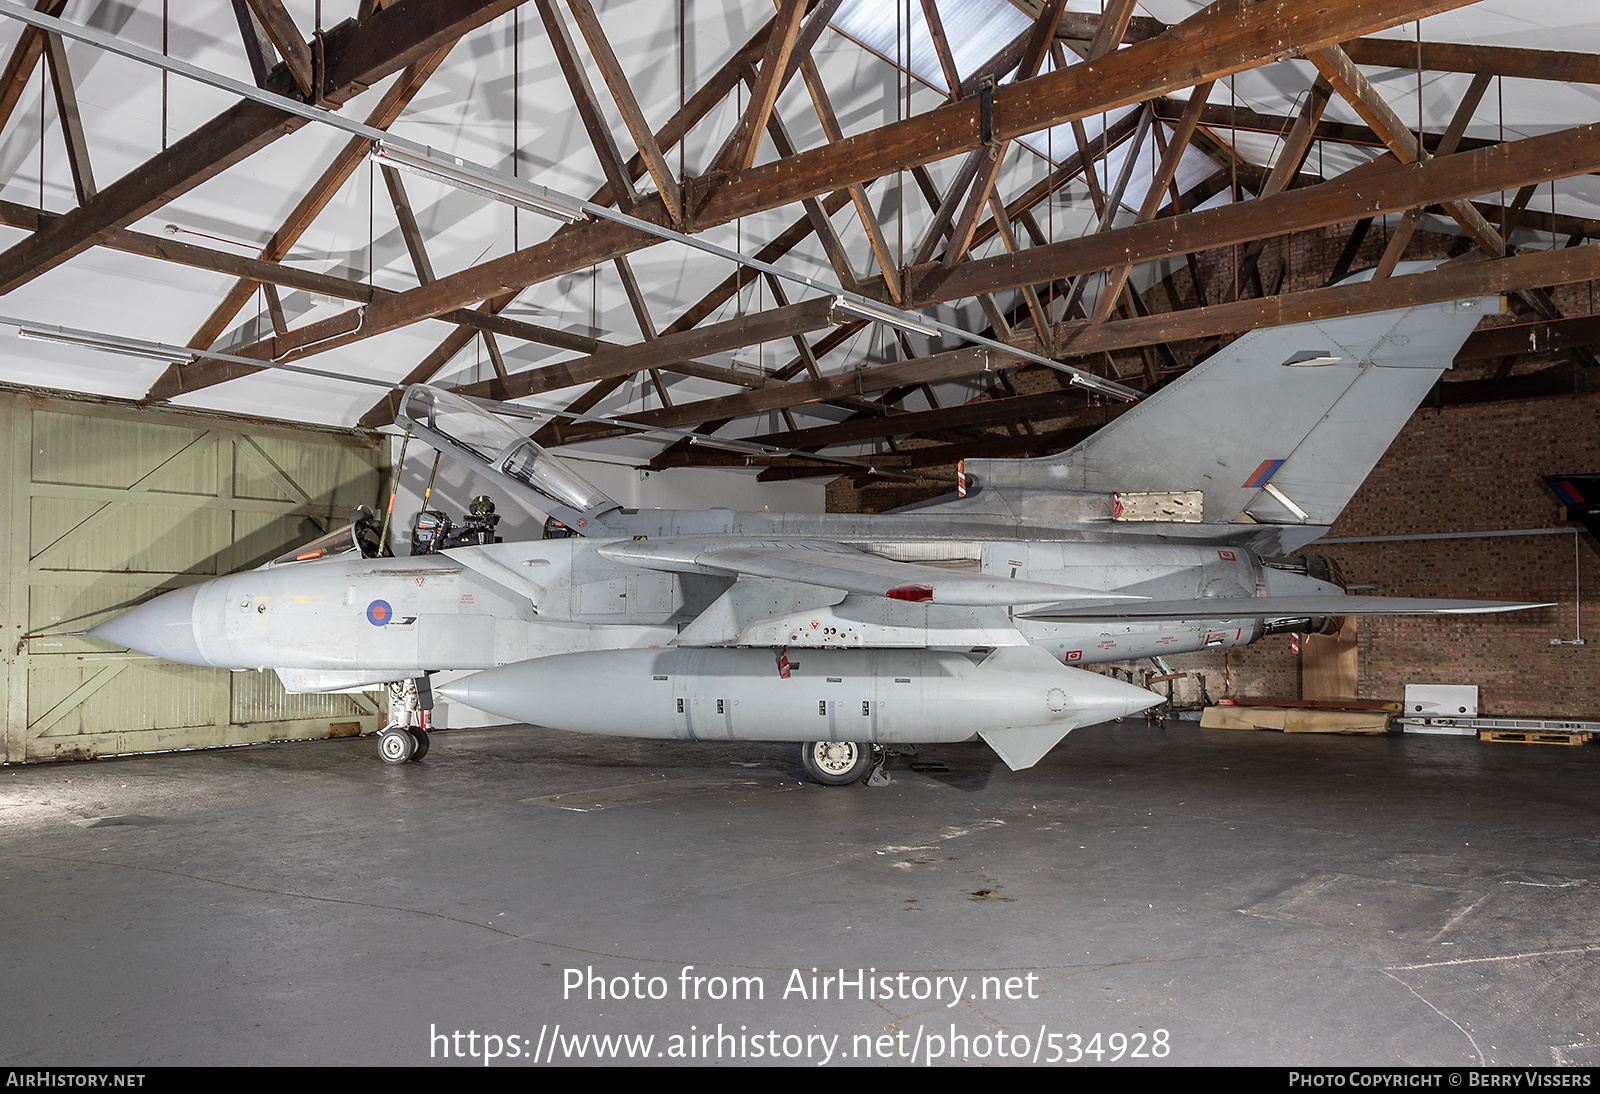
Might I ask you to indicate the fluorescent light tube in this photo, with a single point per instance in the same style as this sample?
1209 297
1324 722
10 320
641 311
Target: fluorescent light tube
888 316
62 339
744 448
453 171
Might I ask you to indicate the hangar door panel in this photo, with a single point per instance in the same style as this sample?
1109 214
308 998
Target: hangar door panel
109 506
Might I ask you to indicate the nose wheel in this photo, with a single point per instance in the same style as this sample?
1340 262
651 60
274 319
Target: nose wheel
836 763
396 745
399 744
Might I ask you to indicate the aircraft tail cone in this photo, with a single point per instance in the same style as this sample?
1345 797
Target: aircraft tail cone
163 627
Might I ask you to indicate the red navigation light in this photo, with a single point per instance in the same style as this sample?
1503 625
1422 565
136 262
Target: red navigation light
910 592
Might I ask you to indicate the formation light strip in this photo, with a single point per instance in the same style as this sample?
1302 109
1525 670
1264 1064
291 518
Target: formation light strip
502 187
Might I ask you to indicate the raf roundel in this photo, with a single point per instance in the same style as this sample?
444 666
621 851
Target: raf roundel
379 613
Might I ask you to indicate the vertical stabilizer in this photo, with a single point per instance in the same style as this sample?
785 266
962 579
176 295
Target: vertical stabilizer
1280 427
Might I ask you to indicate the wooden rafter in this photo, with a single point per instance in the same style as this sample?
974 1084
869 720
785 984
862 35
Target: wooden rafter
71 121
647 325
741 149
644 138
1030 295
821 224
24 58
1408 222
1229 35
1455 281
416 246
1397 53
1527 64
1109 204
1291 157
992 157
594 122
671 352
258 48
408 225
977 413
950 365
858 193
941 46
926 284
1340 71
1164 174
326 187
357 56
1375 190
287 39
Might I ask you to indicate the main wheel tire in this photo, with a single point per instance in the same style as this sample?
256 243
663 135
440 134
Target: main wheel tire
420 736
396 745
836 763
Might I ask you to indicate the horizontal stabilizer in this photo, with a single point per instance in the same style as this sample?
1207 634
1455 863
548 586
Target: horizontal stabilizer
1275 607
836 566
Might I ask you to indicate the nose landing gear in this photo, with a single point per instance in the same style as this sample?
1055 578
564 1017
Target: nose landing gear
401 742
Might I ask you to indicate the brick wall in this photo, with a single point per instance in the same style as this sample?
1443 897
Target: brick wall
1457 469
1461 469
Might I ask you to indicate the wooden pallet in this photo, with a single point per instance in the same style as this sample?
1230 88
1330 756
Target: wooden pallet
1534 737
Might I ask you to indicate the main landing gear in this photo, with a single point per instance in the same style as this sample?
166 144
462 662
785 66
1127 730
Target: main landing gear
400 741
836 763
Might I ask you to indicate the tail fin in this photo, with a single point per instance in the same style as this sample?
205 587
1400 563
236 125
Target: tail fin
1580 499
1281 427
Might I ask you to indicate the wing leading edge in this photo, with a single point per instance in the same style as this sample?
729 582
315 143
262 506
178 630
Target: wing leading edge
837 566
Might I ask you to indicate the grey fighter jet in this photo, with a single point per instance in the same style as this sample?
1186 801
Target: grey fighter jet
1172 529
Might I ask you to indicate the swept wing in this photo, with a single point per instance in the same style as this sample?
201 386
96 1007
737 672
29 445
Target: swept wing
838 566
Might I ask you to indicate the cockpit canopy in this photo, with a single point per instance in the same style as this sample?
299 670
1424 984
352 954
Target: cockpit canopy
457 425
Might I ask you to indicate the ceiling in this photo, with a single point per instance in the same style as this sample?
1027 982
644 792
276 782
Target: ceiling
500 96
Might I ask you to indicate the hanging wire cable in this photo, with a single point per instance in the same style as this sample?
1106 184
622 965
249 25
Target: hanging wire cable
516 120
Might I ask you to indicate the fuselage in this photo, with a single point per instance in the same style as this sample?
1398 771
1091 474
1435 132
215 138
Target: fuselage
346 621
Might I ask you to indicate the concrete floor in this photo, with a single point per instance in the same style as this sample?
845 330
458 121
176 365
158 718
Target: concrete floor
1259 897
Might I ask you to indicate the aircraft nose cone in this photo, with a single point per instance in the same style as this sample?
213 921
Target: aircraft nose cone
163 627
1102 698
487 696
458 690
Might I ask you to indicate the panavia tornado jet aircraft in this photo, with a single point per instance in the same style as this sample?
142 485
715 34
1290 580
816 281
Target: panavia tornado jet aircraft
1170 530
